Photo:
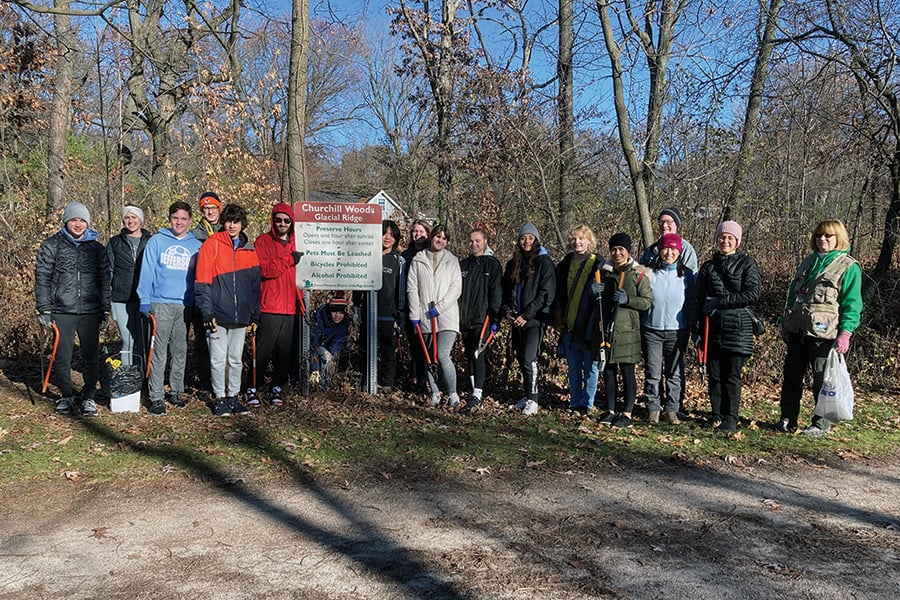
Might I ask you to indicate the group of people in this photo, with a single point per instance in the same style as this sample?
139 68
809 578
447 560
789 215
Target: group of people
611 313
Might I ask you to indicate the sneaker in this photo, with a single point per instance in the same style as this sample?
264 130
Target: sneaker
251 398
653 417
813 431
473 404
670 416
275 397
236 407
222 407
727 425
177 401
89 408
520 405
454 400
158 408
716 422
785 426
608 418
531 408
64 406
622 422
435 400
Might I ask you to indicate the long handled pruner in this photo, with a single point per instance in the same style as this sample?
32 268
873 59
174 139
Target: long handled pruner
614 312
152 343
45 375
253 356
430 358
482 342
604 343
703 349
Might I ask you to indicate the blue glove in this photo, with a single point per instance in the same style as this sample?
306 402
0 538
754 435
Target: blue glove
414 323
620 297
145 310
432 313
711 305
597 289
495 327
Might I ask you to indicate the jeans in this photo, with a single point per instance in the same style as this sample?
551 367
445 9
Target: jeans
171 338
584 372
129 321
725 384
526 342
803 352
88 329
226 359
664 356
445 341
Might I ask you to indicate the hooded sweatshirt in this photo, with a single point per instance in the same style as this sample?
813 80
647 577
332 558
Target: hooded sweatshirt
167 270
278 292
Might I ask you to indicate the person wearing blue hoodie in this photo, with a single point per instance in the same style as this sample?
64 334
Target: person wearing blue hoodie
166 290
71 288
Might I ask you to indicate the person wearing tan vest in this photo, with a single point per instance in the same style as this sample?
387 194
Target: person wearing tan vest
822 311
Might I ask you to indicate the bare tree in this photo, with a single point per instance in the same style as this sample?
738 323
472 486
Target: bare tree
298 183
61 108
566 113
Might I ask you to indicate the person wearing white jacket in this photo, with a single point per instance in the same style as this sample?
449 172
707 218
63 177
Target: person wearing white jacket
434 285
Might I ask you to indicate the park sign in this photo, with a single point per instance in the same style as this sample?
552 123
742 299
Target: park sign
341 245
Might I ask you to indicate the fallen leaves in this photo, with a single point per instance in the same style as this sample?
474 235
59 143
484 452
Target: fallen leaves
65 440
99 532
483 470
71 475
772 503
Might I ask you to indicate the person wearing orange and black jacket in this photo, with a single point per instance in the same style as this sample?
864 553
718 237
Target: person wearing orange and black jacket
210 223
227 295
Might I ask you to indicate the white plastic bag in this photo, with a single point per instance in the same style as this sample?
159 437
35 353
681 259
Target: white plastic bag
835 401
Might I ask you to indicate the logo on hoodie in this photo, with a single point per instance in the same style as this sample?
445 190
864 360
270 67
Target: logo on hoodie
176 258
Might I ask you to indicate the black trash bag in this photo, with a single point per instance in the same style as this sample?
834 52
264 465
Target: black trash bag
122 380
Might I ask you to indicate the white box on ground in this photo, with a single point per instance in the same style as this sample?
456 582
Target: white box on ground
129 403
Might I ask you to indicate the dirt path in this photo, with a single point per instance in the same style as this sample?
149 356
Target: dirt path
664 532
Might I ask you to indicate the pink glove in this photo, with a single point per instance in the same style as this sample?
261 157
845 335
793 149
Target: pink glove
842 343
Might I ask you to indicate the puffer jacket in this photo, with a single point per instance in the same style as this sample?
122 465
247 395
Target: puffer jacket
532 297
626 339
734 280
124 266
72 277
434 277
228 280
481 290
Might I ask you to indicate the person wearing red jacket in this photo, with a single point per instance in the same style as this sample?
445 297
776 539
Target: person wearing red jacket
278 258
227 296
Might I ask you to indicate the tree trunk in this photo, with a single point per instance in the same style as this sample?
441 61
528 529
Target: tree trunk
566 113
754 103
60 114
891 221
298 183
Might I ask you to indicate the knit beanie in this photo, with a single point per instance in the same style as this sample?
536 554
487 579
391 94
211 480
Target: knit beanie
210 199
133 210
672 212
76 210
620 239
529 228
731 227
670 240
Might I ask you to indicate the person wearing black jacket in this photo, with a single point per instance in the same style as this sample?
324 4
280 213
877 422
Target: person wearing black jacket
727 285
419 235
482 296
125 251
71 288
529 285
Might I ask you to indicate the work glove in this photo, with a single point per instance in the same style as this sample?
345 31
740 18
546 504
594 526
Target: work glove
597 289
324 353
315 377
104 320
620 297
45 319
414 323
842 343
296 256
711 305
211 325
146 310
495 327
251 328
432 313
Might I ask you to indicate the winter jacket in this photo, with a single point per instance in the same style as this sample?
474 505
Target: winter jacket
688 255
482 290
626 338
72 276
533 295
825 297
278 290
167 269
673 288
434 277
125 265
204 229
734 280
328 334
574 304
406 258
389 294
228 280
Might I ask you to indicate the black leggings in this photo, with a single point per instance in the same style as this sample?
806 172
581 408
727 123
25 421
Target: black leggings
527 343
475 367
629 383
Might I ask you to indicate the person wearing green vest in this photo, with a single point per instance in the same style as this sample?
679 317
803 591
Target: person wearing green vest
823 309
